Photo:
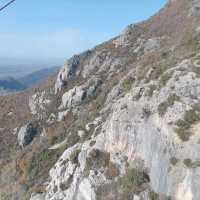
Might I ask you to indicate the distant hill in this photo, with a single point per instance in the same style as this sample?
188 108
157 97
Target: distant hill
16 67
10 84
37 76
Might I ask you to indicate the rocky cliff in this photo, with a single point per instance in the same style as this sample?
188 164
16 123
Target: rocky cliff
120 121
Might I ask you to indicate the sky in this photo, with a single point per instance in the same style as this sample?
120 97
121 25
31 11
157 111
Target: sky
53 30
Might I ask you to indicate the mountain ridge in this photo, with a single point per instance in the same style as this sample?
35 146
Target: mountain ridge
10 84
119 121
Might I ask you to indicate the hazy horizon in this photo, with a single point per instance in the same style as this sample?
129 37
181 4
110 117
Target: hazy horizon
47 33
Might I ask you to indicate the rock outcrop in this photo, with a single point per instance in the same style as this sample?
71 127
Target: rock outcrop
70 69
26 134
124 119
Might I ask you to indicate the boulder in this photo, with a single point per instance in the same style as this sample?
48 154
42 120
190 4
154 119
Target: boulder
26 134
73 97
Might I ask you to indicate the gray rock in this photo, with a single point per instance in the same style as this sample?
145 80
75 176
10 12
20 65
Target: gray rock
130 33
38 103
73 97
130 129
37 197
93 88
69 70
195 9
147 139
152 44
78 94
26 134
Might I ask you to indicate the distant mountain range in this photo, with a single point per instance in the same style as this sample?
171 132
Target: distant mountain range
10 84
35 77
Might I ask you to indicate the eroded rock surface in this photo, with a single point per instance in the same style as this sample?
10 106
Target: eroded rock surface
26 134
123 122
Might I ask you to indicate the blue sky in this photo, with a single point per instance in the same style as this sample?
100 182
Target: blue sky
56 29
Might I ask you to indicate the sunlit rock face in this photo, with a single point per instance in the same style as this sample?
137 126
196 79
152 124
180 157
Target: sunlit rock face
122 121
195 8
26 134
137 129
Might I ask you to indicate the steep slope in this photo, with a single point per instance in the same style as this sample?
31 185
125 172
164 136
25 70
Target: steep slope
121 121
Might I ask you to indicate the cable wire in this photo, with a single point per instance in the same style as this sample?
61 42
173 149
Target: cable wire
6 5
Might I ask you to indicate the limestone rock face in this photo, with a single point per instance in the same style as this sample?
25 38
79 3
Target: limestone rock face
122 121
73 97
140 131
26 134
67 71
77 95
70 69
195 9
38 103
137 101
131 32
38 197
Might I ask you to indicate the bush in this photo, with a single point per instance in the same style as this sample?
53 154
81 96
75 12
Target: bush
183 133
74 156
165 78
98 159
127 83
4 196
153 196
173 161
134 180
172 98
190 117
162 108
190 164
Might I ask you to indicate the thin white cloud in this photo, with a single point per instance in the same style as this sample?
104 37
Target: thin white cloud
46 44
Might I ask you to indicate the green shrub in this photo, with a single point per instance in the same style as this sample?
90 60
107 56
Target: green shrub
183 133
172 98
164 54
41 163
134 179
158 70
98 159
162 107
183 124
173 161
190 117
4 196
74 156
127 83
165 78
188 162
156 196
153 196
